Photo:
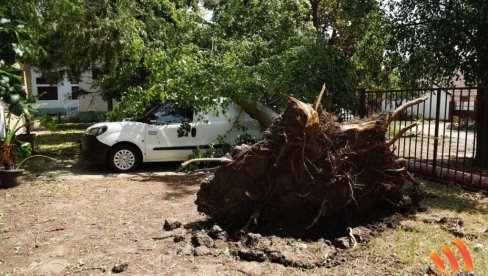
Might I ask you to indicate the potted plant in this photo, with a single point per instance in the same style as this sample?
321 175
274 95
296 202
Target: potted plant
9 175
12 148
46 121
28 136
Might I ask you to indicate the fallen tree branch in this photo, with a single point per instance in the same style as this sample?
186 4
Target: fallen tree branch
400 134
405 106
307 110
201 160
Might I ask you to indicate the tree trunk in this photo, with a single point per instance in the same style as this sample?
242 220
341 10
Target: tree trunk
258 111
315 14
110 104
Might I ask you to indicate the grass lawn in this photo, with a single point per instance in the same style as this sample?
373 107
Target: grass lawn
450 212
63 143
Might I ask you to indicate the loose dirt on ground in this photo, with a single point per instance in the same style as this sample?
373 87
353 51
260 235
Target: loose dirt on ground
83 225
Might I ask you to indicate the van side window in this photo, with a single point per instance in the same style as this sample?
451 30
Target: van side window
170 113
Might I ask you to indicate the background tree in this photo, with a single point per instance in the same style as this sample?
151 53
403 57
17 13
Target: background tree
437 41
252 50
116 37
270 48
361 30
166 49
12 46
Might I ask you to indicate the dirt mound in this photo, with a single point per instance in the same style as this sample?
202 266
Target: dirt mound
308 173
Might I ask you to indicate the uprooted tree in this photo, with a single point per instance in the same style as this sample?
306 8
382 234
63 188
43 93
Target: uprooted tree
307 171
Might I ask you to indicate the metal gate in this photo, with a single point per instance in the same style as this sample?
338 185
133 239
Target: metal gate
443 144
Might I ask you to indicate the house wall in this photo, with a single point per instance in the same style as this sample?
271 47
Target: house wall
427 109
92 107
87 105
52 106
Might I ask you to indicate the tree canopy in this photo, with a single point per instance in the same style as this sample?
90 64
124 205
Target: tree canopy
439 40
198 51
11 90
150 50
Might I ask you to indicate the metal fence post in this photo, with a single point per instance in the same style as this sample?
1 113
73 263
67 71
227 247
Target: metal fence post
436 131
362 102
481 122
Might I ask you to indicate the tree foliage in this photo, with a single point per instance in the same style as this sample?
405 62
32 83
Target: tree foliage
11 90
264 48
440 39
151 50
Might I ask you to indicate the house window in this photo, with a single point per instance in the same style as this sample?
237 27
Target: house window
50 78
96 73
41 80
74 81
47 93
75 92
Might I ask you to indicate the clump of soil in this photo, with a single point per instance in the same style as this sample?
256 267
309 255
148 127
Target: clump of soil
308 174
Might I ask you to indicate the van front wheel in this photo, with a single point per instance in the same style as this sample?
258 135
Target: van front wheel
124 158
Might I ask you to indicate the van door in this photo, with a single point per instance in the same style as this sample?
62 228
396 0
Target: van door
216 127
170 134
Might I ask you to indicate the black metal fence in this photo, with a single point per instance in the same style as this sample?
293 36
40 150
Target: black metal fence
443 144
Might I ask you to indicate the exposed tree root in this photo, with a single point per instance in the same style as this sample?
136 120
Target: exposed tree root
307 172
400 109
400 133
319 98
206 160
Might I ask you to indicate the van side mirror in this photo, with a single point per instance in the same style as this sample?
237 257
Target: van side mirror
152 119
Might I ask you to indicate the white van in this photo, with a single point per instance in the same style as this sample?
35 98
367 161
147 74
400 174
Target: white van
164 133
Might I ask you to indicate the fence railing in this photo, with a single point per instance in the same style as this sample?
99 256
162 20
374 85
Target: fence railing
72 106
444 143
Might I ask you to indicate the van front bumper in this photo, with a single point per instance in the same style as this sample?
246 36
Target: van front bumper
93 150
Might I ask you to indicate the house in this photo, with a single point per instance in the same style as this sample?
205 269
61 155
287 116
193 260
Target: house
66 97
456 100
427 109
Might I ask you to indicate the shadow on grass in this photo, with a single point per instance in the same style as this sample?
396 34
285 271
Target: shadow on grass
200 225
56 138
71 163
73 126
178 185
451 197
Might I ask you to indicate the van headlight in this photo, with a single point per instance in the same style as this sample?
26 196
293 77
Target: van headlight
96 130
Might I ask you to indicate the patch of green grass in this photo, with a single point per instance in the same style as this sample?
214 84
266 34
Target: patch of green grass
63 143
412 243
24 201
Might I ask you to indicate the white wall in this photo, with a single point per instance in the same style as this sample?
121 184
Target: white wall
64 90
92 102
84 103
426 109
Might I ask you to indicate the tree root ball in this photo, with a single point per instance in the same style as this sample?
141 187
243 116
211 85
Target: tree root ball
308 171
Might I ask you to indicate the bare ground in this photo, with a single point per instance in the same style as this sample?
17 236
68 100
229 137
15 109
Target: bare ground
72 224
